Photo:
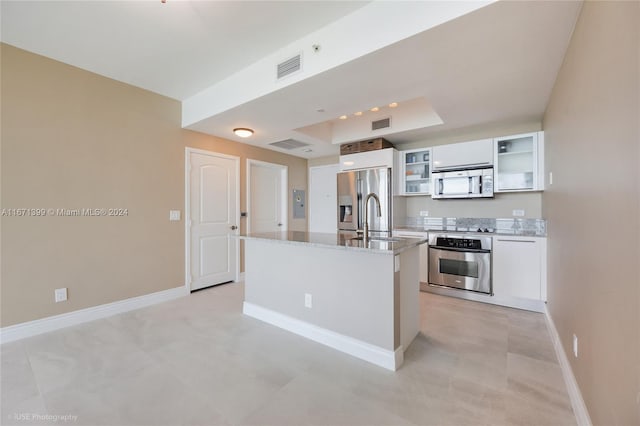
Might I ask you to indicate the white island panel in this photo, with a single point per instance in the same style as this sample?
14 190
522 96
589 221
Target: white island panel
360 303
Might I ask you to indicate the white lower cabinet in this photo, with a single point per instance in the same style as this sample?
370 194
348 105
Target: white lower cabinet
519 267
424 251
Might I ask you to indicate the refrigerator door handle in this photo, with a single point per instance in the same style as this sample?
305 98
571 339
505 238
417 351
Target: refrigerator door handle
358 204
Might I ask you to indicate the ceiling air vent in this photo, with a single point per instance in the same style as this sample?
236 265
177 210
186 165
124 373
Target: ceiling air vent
289 144
381 124
289 66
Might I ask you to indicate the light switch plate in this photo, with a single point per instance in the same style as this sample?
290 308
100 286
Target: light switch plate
174 215
424 213
518 212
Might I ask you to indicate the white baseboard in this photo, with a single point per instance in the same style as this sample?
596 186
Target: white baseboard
240 277
577 402
33 328
391 360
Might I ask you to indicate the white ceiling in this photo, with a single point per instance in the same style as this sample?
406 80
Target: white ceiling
175 49
496 64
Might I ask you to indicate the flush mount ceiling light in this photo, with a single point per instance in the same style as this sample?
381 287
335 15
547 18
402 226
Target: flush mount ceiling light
243 132
393 104
375 109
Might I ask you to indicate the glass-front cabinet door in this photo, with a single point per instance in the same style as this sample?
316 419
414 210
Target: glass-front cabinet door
517 165
416 168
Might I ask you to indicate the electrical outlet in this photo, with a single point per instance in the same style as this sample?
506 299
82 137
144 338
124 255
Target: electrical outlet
60 294
174 215
575 346
424 213
518 212
308 300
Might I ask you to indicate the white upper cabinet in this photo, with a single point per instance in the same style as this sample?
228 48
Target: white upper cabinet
463 155
368 159
415 172
519 162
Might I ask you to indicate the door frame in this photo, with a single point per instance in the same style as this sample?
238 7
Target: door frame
187 209
284 175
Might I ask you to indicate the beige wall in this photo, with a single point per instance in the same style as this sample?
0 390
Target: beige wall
592 137
72 139
502 205
324 161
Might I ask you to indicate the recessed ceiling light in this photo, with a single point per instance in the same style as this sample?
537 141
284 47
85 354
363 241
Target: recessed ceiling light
393 104
243 132
359 113
375 109
343 117
320 110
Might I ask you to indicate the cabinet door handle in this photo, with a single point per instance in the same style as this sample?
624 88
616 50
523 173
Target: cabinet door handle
516 241
233 227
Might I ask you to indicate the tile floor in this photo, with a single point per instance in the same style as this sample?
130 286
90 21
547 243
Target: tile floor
198 361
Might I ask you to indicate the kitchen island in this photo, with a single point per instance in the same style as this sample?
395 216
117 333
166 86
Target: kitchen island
356 297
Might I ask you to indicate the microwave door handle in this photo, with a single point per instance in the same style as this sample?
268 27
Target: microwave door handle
474 185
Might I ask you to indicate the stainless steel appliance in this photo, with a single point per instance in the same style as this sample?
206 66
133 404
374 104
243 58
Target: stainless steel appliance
470 183
460 261
353 188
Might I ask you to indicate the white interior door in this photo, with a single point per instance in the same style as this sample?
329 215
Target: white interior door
266 197
212 218
323 198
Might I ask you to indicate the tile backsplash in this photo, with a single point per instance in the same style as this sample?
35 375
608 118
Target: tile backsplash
514 226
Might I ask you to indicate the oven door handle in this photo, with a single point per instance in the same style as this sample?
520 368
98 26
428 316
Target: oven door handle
460 250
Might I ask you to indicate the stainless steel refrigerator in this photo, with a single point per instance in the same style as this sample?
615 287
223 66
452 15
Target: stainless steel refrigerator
353 188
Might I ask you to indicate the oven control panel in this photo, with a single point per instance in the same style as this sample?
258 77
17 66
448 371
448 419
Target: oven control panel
461 243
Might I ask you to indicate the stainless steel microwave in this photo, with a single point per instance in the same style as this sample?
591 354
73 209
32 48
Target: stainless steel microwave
471 183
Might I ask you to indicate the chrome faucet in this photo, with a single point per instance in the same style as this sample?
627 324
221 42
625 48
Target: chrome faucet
365 237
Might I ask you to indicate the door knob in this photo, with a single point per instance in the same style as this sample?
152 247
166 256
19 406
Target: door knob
233 227
279 224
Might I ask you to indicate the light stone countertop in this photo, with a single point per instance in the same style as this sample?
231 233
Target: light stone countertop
497 232
338 241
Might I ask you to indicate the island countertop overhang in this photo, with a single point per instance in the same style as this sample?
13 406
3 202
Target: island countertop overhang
338 241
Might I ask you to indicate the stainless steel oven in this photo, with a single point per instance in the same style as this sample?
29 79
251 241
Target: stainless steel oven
460 261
